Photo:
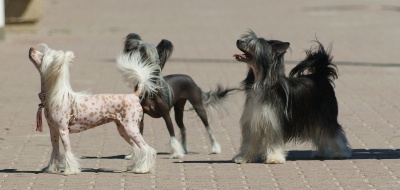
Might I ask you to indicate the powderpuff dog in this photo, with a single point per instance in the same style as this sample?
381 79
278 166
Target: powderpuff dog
68 112
175 90
278 109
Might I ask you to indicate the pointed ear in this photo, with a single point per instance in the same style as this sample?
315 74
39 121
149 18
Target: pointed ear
69 55
280 47
164 49
133 36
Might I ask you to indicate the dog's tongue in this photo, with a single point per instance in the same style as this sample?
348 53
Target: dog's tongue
242 56
239 55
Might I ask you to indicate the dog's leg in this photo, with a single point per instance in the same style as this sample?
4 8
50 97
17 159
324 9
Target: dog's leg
124 135
54 163
250 144
342 148
71 164
274 141
201 111
179 109
333 146
144 156
141 125
177 151
276 153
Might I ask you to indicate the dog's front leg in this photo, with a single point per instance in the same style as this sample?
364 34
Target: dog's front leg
71 164
177 150
54 163
248 148
246 153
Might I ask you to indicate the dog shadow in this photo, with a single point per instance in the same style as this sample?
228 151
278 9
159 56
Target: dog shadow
358 154
104 157
122 156
295 155
83 170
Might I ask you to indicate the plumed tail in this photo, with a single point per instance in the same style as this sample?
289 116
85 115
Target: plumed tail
214 101
318 62
136 72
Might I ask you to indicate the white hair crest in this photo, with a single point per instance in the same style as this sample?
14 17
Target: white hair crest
56 79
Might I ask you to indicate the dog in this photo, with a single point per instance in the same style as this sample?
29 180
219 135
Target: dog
175 90
278 109
68 112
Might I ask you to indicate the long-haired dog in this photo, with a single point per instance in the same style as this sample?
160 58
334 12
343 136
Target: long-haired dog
175 90
68 112
278 109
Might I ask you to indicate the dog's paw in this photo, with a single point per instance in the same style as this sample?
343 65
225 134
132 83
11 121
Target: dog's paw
128 157
276 158
240 160
51 170
71 172
272 161
175 155
319 154
341 156
216 149
140 171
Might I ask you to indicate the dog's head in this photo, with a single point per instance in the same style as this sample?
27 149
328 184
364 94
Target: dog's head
257 52
159 54
264 57
45 59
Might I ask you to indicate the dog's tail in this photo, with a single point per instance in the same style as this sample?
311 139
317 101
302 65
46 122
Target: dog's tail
318 62
141 73
214 100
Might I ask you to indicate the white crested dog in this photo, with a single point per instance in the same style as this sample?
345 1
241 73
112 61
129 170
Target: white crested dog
68 112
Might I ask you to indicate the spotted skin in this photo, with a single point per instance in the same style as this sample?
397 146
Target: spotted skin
94 110
84 112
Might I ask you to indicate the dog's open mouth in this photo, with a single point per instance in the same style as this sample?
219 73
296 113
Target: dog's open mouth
243 57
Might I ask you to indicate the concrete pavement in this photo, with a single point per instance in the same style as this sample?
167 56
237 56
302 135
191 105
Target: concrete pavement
365 37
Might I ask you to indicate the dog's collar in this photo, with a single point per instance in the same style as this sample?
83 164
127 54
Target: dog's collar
42 96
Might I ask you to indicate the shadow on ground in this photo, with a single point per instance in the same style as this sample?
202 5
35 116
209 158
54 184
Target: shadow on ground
294 155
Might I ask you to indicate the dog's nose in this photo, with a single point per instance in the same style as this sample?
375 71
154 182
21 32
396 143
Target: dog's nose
237 42
31 49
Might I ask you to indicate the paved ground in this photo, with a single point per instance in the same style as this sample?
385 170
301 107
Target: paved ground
366 41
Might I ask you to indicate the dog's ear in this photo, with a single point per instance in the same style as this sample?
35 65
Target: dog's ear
132 42
280 47
164 49
133 36
69 55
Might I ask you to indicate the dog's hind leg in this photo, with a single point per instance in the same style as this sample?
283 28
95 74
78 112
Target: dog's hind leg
124 135
141 125
71 164
54 163
333 145
144 156
201 111
342 146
